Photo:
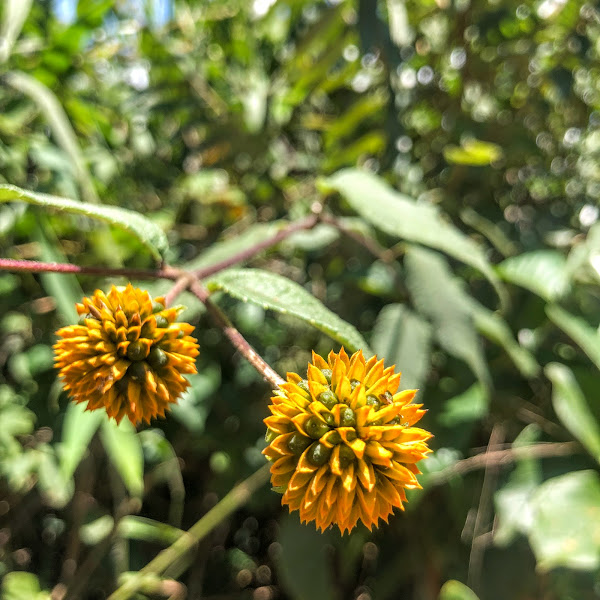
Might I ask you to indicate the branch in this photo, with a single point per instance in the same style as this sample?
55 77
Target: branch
502 458
306 223
34 266
236 498
236 338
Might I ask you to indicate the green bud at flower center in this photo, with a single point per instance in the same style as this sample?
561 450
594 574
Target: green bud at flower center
303 385
161 321
137 371
318 454
137 351
316 428
347 417
298 443
157 358
328 398
347 456
373 401
157 307
327 373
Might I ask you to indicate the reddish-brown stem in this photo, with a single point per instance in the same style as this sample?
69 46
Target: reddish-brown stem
235 337
34 266
305 223
178 287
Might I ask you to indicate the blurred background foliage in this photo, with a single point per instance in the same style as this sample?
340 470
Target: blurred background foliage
459 138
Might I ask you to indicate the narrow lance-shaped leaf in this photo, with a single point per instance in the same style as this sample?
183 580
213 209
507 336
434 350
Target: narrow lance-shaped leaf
278 293
570 405
587 338
403 338
437 295
542 272
55 114
399 215
124 448
152 236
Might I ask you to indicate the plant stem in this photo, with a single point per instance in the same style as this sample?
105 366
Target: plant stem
34 266
237 497
305 223
236 338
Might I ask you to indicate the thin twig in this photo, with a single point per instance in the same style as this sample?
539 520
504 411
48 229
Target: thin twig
34 266
305 223
485 499
237 497
504 457
178 287
235 337
383 254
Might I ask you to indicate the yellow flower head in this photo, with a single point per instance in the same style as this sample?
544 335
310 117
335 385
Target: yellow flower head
342 441
126 355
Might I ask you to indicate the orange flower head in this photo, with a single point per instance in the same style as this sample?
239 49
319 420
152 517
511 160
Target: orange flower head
127 355
342 441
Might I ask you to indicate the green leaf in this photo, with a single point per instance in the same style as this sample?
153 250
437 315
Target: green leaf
587 338
57 118
512 501
437 295
146 231
278 293
124 448
63 287
474 153
304 550
403 338
469 406
224 249
542 272
455 590
78 429
570 406
20 585
399 215
495 329
130 527
14 15
565 529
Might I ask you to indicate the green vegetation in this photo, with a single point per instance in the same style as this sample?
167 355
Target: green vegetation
415 178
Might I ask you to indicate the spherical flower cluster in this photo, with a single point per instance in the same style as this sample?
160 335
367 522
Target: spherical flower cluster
127 355
342 441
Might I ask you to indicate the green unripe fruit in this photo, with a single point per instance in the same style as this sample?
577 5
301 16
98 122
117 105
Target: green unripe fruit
347 417
347 456
161 322
328 398
374 402
335 438
158 358
318 454
303 385
328 418
316 428
298 443
137 371
327 373
136 351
